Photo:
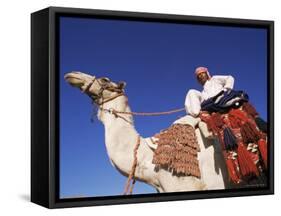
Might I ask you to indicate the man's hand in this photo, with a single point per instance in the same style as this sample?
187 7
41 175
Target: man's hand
227 90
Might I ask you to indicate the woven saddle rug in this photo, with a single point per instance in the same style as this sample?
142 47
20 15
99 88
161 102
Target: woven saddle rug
177 149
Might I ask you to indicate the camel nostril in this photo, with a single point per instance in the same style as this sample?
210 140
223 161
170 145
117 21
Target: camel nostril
71 74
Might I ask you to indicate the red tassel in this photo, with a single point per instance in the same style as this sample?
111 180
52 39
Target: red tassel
232 171
250 109
217 119
235 123
247 166
237 118
214 123
249 133
263 150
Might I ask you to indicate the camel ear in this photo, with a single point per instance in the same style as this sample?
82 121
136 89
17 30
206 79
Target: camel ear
121 85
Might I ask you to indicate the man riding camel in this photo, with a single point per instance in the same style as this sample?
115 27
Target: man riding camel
217 94
235 123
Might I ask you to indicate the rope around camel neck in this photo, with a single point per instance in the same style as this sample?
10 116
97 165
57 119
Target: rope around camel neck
145 113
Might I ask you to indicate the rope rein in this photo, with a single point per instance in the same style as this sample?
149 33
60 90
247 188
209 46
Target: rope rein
113 111
133 170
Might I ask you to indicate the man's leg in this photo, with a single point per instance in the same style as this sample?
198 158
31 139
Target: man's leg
193 102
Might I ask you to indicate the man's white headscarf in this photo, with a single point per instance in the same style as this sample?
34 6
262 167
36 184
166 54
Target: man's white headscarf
200 70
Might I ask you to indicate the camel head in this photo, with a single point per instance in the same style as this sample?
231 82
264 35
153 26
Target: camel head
99 89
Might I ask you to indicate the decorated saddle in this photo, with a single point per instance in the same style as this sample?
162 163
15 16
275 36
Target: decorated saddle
242 135
177 149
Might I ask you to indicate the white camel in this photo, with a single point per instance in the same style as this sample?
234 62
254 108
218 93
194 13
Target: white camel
121 138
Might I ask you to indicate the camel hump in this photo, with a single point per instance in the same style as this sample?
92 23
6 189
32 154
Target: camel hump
151 142
188 119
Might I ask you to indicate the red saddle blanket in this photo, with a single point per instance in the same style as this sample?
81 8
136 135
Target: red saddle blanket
243 138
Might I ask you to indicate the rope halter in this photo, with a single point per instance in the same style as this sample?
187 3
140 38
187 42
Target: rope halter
103 86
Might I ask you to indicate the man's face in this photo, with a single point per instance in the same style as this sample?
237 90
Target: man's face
202 78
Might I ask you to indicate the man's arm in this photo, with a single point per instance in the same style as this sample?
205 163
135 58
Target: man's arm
226 81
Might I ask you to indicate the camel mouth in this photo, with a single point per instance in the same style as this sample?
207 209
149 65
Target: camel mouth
74 79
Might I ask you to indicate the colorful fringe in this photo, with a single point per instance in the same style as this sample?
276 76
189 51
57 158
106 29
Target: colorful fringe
177 149
243 141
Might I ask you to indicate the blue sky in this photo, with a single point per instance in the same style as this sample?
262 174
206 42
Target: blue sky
157 61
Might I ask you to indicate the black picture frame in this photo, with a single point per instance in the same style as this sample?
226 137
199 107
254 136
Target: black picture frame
44 107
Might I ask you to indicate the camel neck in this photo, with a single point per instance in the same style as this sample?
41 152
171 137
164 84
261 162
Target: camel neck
120 136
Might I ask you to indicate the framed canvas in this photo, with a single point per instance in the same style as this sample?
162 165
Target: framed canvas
139 107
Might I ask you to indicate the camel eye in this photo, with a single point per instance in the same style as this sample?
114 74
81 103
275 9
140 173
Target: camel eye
105 79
